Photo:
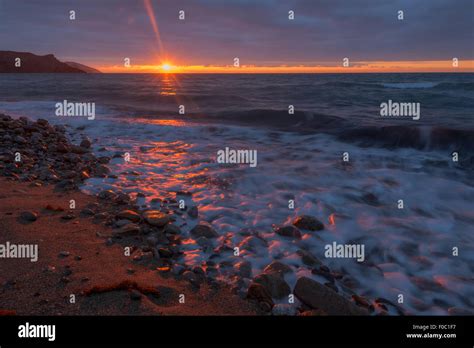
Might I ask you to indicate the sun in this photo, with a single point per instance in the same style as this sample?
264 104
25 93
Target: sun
166 67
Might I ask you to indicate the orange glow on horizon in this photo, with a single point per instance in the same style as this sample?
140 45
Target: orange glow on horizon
357 67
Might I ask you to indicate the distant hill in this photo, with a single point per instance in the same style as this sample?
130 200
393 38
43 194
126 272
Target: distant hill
83 67
31 63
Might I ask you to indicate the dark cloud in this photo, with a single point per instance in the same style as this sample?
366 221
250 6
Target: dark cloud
258 32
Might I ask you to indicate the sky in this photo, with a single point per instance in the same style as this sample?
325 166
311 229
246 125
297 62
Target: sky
258 32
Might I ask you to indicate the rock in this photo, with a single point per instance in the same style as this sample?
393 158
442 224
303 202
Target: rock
172 229
62 148
20 140
156 218
258 292
289 231
178 269
308 258
29 216
101 216
193 212
277 267
284 309
307 222
128 229
85 143
331 286
274 283
370 199
78 150
190 276
360 301
63 254
107 194
244 268
252 243
128 215
120 223
204 230
318 296
103 160
198 270
101 170
165 253
87 211
68 216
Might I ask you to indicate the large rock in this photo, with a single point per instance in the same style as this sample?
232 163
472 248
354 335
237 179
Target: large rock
288 231
156 218
318 296
274 283
253 244
127 229
128 215
85 143
204 230
307 222
308 258
277 267
107 194
258 292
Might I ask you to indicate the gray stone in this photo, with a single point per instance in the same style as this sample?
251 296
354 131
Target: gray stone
289 231
318 296
307 222
204 230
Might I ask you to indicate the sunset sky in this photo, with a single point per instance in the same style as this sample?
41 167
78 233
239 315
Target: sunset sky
257 32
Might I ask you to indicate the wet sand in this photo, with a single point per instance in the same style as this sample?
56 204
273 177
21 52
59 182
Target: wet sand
104 280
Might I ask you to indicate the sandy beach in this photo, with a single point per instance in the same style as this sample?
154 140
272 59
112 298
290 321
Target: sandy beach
77 256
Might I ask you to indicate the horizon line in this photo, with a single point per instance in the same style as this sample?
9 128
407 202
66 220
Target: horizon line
423 66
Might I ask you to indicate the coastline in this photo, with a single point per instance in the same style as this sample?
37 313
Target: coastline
77 255
98 230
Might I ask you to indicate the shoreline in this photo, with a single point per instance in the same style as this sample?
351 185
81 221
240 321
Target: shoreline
113 221
79 252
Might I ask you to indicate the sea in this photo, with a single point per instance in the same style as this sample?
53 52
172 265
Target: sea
401 186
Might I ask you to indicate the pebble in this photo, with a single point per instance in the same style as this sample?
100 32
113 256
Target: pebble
172 229
289 231
193 212
204 230
307 222
29 216
128 215
63 254
156 218
277 267
165 253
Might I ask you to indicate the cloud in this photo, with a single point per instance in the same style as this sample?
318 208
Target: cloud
258 32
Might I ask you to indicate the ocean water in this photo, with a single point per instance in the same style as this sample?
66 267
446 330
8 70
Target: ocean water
407 251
